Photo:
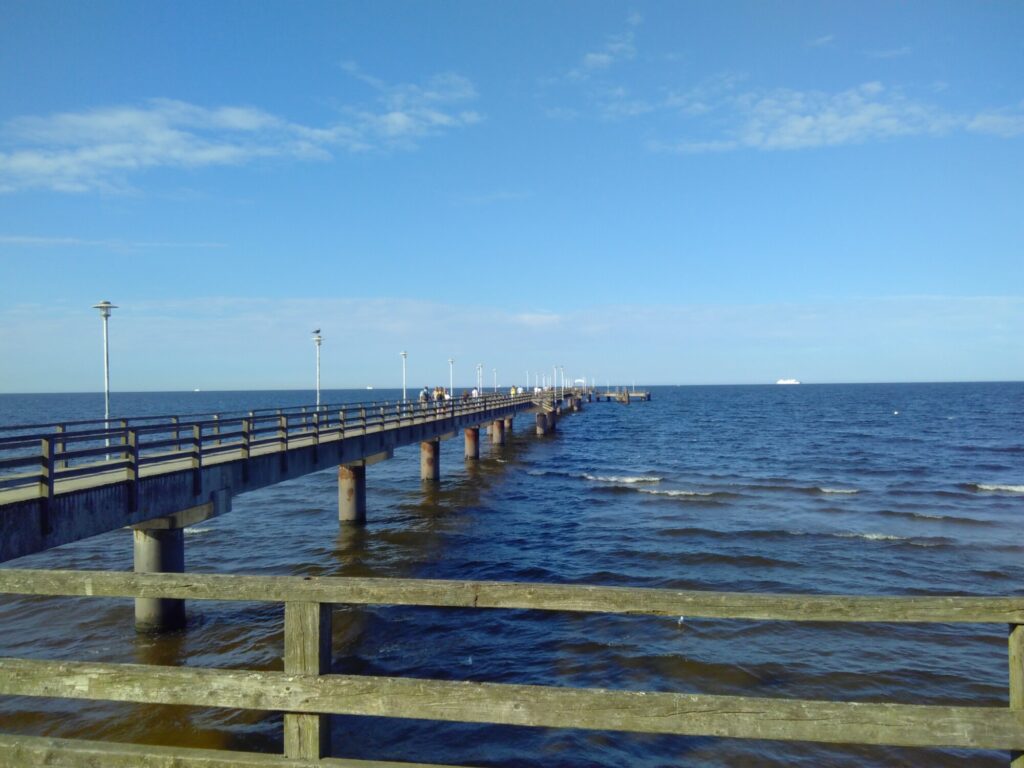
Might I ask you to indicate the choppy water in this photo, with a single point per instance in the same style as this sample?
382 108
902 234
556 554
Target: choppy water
883 489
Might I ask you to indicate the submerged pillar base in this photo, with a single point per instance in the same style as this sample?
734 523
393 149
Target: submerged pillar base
159 551
472 443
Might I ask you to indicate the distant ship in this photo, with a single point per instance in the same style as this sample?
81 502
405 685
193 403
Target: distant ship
369 386
787 381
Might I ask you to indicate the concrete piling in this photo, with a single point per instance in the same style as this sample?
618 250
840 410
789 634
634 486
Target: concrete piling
542 423
508 426
159 551
352 494
498 432
472 443
430 461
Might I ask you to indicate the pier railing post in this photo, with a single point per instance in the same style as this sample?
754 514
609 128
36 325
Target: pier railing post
132 473
307 651
58 447
177 433
197 459
1016 654
216 427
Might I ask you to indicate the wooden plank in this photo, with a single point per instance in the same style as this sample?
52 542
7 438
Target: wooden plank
495 594
1016 658
738 717
19 751
307 651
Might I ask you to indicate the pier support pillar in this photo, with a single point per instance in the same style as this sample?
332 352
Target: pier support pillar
352 494
430 461
159 551
473 443
542 423
498 432
508 426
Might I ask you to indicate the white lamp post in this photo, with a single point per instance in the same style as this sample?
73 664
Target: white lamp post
451 377
404 356
317 340
104 307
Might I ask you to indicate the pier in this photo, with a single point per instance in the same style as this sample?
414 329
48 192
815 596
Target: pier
158 475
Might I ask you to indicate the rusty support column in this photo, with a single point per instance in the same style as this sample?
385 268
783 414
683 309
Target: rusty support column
352 494
472 443
542 423
498 432
430 461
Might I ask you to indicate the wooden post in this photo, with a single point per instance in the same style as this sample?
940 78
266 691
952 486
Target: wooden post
307 651
177 433
1016 648
216 427
58 447
197 459
132 472
341 423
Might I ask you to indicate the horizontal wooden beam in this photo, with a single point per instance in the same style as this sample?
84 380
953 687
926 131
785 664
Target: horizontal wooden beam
496 594
19 751
738 717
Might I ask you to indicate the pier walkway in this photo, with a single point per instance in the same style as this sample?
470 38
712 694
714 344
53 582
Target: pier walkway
63 482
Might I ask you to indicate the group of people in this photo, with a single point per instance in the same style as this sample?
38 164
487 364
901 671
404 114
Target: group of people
438 395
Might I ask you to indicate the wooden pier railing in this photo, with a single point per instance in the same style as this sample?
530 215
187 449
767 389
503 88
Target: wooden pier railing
307 693
35 457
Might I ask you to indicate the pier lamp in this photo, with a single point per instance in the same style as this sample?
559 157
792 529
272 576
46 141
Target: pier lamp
317 340
480 378
104 307
404 355
451 377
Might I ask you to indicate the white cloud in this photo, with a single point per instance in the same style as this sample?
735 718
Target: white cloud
617 48
787 119
99 149
820 42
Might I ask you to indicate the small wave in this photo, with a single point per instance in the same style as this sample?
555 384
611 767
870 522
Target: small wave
839 490
870 536
993 488
193 531
681 493
623 478
935 518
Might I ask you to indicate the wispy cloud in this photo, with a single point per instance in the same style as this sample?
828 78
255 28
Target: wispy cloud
29 241
787 119
490 198
617 48
889 53
99 149
820 42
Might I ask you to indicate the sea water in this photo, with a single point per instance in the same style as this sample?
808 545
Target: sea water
831 489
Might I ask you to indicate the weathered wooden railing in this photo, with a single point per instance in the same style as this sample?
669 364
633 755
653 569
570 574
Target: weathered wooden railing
306 693
30 457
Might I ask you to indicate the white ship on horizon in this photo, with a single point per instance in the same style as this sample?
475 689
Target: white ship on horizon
787 381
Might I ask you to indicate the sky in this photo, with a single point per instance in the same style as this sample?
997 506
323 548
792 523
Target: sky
666 193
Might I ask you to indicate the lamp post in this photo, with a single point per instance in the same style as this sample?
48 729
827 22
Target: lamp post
104 307
480 378
404 356
451 377
495 370
317 339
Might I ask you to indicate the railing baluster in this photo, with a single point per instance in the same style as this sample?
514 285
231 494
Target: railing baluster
307 651
216 427
59 446
1016 655
132 470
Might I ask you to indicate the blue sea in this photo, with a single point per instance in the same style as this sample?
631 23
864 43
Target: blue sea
904 489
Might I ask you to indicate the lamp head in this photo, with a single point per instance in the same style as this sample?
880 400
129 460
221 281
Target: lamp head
104 307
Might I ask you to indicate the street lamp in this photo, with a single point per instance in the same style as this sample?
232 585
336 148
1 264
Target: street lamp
480 378
104 307
451 377
404 355
317 339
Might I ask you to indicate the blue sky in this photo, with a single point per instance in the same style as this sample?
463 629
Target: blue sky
666 192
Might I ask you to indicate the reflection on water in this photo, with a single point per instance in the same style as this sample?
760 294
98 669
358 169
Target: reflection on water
794 489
